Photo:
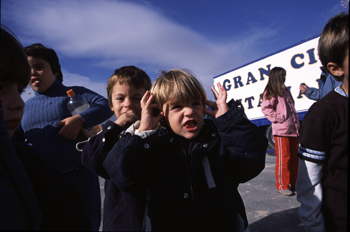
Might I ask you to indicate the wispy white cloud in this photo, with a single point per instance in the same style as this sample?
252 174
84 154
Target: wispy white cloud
111 31
73 79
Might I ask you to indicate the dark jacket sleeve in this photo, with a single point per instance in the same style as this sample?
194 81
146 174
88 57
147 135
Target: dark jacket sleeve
129 163
243 141
98 147
58 199
19 208
19 135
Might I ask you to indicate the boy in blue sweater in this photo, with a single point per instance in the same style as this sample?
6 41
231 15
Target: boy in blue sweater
125 88
50 128
191 167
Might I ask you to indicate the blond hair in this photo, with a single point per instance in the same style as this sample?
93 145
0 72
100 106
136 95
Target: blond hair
177 86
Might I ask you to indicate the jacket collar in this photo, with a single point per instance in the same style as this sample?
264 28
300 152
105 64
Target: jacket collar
205 135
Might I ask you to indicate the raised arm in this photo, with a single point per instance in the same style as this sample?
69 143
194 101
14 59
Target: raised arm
149 121
243 141
220 107
311 92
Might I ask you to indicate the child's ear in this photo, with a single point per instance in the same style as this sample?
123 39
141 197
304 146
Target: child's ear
335 69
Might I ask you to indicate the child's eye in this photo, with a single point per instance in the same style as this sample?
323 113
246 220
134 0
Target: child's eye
137 99
38 67
196 103
176 107
119 99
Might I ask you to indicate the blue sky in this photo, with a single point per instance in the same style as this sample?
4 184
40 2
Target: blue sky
209 37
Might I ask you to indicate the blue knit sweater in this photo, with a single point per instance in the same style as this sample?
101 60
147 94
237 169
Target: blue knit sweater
45 110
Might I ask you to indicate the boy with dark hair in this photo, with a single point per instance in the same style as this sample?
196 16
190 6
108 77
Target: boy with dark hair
49 127
125 88
191 167
322 184
48 54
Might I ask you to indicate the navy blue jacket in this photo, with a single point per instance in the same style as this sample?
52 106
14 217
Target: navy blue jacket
121 211
19 209
59 201
193 190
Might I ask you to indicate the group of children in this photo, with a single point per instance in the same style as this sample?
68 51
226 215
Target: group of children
166 167
320 177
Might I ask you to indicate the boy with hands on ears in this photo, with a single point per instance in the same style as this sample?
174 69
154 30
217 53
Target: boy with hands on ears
191 167
149 121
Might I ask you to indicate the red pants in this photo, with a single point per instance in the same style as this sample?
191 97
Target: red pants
286 171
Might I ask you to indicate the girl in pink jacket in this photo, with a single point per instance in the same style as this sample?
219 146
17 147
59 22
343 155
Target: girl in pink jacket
278 107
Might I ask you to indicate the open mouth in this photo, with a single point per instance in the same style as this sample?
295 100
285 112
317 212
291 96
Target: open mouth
191 125
36 82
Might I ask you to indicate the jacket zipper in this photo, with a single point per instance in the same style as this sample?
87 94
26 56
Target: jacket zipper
188 171
190 176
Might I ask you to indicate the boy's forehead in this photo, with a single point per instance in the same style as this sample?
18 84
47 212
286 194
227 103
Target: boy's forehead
36 60
124 85
127 83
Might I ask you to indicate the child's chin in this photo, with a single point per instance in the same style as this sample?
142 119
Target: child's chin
190 135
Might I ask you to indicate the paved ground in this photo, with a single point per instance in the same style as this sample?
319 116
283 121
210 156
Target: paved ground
267 210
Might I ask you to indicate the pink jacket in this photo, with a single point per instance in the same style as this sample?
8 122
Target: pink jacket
281 112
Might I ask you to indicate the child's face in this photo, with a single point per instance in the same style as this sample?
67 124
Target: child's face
185 120
41 74
12 105
125 97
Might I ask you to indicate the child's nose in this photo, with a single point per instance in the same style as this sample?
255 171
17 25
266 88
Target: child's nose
127 103
16 101
188 111
33 71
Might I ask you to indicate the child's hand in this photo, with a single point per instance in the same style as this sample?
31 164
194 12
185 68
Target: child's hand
126 119
148 120
303 88
220 107
71 126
